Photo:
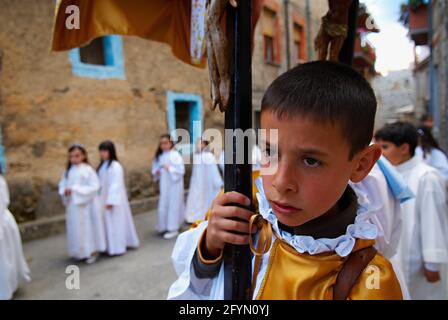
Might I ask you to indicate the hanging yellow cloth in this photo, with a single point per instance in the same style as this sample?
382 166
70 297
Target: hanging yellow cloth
166 21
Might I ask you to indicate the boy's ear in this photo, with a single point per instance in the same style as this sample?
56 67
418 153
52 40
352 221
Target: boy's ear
365 162
404 149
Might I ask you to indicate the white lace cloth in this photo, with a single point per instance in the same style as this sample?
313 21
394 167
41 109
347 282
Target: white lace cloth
362 228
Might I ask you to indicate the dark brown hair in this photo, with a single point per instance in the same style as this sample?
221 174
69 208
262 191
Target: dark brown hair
326 92
74 147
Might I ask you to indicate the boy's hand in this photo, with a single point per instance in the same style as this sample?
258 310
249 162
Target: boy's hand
432 276
226 223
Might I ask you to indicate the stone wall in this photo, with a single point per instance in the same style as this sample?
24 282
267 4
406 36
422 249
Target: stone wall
45 107
440 59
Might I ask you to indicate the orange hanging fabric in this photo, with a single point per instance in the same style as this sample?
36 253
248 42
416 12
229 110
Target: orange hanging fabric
166 21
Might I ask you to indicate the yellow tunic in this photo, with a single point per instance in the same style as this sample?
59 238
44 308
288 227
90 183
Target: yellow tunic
294 276
291 275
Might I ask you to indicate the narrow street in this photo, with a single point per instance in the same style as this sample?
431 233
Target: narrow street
145 273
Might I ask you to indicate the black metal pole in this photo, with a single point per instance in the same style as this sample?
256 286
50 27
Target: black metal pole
347 52
287 35
238 177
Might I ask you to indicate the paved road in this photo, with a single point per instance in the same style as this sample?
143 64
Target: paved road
145 273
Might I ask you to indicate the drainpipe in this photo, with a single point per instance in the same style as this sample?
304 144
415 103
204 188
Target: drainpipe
308 31
433 108
287 35
444 42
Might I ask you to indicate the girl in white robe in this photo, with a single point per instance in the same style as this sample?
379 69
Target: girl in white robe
120 229
78 188
13 266
205 184
168 168
430 152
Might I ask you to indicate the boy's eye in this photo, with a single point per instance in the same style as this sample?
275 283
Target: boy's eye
312 163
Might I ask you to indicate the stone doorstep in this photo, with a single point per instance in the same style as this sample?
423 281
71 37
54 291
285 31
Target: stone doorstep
45 227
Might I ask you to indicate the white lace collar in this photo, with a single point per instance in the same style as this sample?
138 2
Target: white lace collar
343 245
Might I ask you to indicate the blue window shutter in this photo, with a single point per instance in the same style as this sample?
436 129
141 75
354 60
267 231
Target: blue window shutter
113 58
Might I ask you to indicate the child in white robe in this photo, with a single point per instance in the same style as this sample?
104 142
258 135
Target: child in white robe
13 266
386 190
78 188
120 230
430 152
168 168
205 183
422 254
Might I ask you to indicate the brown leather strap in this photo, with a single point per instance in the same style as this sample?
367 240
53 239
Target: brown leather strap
351 271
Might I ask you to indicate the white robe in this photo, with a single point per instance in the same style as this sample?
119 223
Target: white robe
120 228
424 239
388 216
388 210
84 219
13 266
436 159
171 199
205 184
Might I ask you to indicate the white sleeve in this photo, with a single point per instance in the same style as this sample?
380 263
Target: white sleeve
115 180
176 166
82 194
222 161
434 267
440 162
4 192
433 218
387 210
188 286
213 171
4 202
155 168
62 185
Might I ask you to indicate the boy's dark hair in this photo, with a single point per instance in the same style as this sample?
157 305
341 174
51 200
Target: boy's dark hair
425 117
326 92
399 133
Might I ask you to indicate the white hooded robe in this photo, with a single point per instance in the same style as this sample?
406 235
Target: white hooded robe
120 229
83 216
171 199
13 266
205 184
424 238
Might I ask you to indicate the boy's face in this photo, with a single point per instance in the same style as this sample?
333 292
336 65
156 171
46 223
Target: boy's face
395 154
313 167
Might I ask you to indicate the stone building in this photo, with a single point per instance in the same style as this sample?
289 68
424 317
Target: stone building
427 21
395 96
439 70
125 89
